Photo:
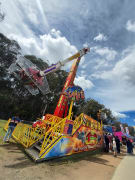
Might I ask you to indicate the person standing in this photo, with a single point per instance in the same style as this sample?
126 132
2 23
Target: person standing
114 148
117 144
106 143
129 147
13 123
110 137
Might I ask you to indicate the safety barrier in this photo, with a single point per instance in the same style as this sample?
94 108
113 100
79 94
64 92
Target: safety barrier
6 126
57 132
77 122
52 129
52 135
26 135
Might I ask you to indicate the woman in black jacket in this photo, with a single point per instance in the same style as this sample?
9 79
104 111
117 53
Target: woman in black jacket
117 144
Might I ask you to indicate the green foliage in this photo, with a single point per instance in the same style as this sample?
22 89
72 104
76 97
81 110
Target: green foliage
91 107
39 62
15 99
2 132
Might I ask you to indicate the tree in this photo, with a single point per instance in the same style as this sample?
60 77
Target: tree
14 97
117 125
91 107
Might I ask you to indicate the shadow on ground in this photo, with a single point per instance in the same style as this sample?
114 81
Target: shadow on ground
94 157
21 160
24 163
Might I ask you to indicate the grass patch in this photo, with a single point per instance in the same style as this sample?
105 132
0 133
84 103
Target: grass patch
2 123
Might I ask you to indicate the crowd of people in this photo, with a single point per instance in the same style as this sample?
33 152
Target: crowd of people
113 144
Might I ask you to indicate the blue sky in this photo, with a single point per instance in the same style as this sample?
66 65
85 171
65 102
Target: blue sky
54 30
129 118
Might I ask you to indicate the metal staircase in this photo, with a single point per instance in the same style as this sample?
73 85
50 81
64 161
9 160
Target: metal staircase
38 150
34 150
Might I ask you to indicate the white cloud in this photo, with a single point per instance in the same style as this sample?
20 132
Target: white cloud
32 16
51 46
100 63
56 47
33 11
42 12
123 70
108 53
83 73
103 57
29 45
86 44
29 23
134 120
130 26
14 21
100 37
83 82
119 115
118 84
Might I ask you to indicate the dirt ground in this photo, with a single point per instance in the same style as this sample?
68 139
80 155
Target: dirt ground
15 165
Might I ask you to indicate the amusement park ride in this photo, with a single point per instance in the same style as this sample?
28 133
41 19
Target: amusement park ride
58 134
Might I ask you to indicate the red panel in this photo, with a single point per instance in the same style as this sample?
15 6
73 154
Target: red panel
61 108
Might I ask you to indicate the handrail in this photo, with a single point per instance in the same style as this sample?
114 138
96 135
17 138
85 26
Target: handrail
77 122
57 131
26 135
52 135
6 125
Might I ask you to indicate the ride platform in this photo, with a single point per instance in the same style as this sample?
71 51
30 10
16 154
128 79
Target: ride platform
59 137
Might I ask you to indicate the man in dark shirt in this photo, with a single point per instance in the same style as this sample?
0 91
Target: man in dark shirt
106 143
13 123
117 144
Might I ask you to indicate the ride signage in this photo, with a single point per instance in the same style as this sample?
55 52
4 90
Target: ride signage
74 93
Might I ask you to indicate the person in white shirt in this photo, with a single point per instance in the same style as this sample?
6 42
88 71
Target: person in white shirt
114 148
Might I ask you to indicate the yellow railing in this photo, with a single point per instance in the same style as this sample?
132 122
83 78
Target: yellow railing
52 135
56 132
6 126
26 135
77 122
